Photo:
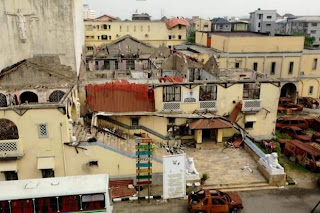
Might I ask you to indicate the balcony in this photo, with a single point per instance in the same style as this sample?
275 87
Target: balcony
11 149
172 106
251 106
208 105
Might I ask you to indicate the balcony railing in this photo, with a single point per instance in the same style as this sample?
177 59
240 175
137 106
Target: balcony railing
208 105
10 148
251 105
171 106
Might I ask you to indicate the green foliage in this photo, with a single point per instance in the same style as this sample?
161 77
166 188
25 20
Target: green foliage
280 135
308 41
192 37
204 177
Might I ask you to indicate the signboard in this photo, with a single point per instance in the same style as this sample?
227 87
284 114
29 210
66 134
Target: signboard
190 97
144 161
174 176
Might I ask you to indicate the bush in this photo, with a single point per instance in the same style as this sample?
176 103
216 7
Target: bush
204 177
280 135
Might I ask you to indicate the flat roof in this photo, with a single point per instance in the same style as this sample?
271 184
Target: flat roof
239 34
53 187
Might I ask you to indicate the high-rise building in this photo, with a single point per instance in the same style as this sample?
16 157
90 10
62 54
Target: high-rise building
263 21
88 13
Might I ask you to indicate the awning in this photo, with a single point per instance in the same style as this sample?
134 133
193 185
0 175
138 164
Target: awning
8 166
251 118
46 163
210 124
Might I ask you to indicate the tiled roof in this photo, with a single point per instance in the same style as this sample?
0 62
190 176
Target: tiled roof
171 23
210 124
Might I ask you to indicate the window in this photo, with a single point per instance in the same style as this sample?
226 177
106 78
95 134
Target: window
3 100
43 130
170 47
268 25
90 48
171 94
206 25
105 26
93 163
170 37
260 16
89 27
47 173
56 96
313 31
11 175
251 91
98 37
106 65
273 68
314 24
109 27
315 64
208 93
171 120
259 25
130 65
255 66
69 203
248 125
237 65
109 37
9 130
134 121
116 65
98 27
180 27
48 204
93 202
104 37
291 67
310 90
180 37
269 17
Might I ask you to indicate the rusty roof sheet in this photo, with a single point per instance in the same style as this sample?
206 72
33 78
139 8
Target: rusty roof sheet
210 124
171 23
308 147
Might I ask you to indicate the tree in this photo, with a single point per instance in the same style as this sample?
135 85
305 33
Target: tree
192 37
308 41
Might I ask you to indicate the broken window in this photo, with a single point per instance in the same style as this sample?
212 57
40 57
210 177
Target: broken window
208 93
248 125
3 100
104 37
93 163
28 97
47 173
251 91
315 64
170 37
180 37
8 130
291 67
105 26
130 65
237 65
43 130
56 96
172 94
134 121
11 175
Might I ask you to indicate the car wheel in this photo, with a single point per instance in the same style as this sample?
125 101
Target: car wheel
235 210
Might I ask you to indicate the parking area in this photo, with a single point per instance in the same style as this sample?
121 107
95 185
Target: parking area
226 167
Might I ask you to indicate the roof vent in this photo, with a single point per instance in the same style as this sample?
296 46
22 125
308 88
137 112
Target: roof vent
54 183
31 185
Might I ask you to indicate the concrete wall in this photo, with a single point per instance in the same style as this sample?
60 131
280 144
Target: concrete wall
201 38
55 28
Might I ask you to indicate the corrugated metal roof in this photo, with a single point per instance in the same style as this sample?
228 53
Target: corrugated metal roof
210 124
171 23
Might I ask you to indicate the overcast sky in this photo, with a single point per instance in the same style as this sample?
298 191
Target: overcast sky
202 8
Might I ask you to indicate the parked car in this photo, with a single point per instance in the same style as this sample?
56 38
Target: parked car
315 125
306 154
290 108
309 102
296 133
292 121
214 201
316 137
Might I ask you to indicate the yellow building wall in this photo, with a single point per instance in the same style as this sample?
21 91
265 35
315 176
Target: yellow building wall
307 64
252 44
109 162
304 87
152 32
201 38
33 146
200 25
252 60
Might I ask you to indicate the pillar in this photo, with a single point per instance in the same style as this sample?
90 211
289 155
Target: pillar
220 135
198 135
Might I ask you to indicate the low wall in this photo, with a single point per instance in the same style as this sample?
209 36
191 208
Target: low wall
256 154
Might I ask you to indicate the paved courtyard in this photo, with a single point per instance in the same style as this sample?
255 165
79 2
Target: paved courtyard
224 166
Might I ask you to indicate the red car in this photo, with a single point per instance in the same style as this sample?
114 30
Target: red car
296 133
287 106
214 201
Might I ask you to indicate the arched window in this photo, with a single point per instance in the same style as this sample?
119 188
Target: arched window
29 97
8 130
56 96
3 100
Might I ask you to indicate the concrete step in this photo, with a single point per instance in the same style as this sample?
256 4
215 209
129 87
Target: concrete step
242 187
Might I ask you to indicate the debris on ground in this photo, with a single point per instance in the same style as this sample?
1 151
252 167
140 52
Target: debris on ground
247 167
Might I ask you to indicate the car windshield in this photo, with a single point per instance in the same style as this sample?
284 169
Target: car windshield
225 197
